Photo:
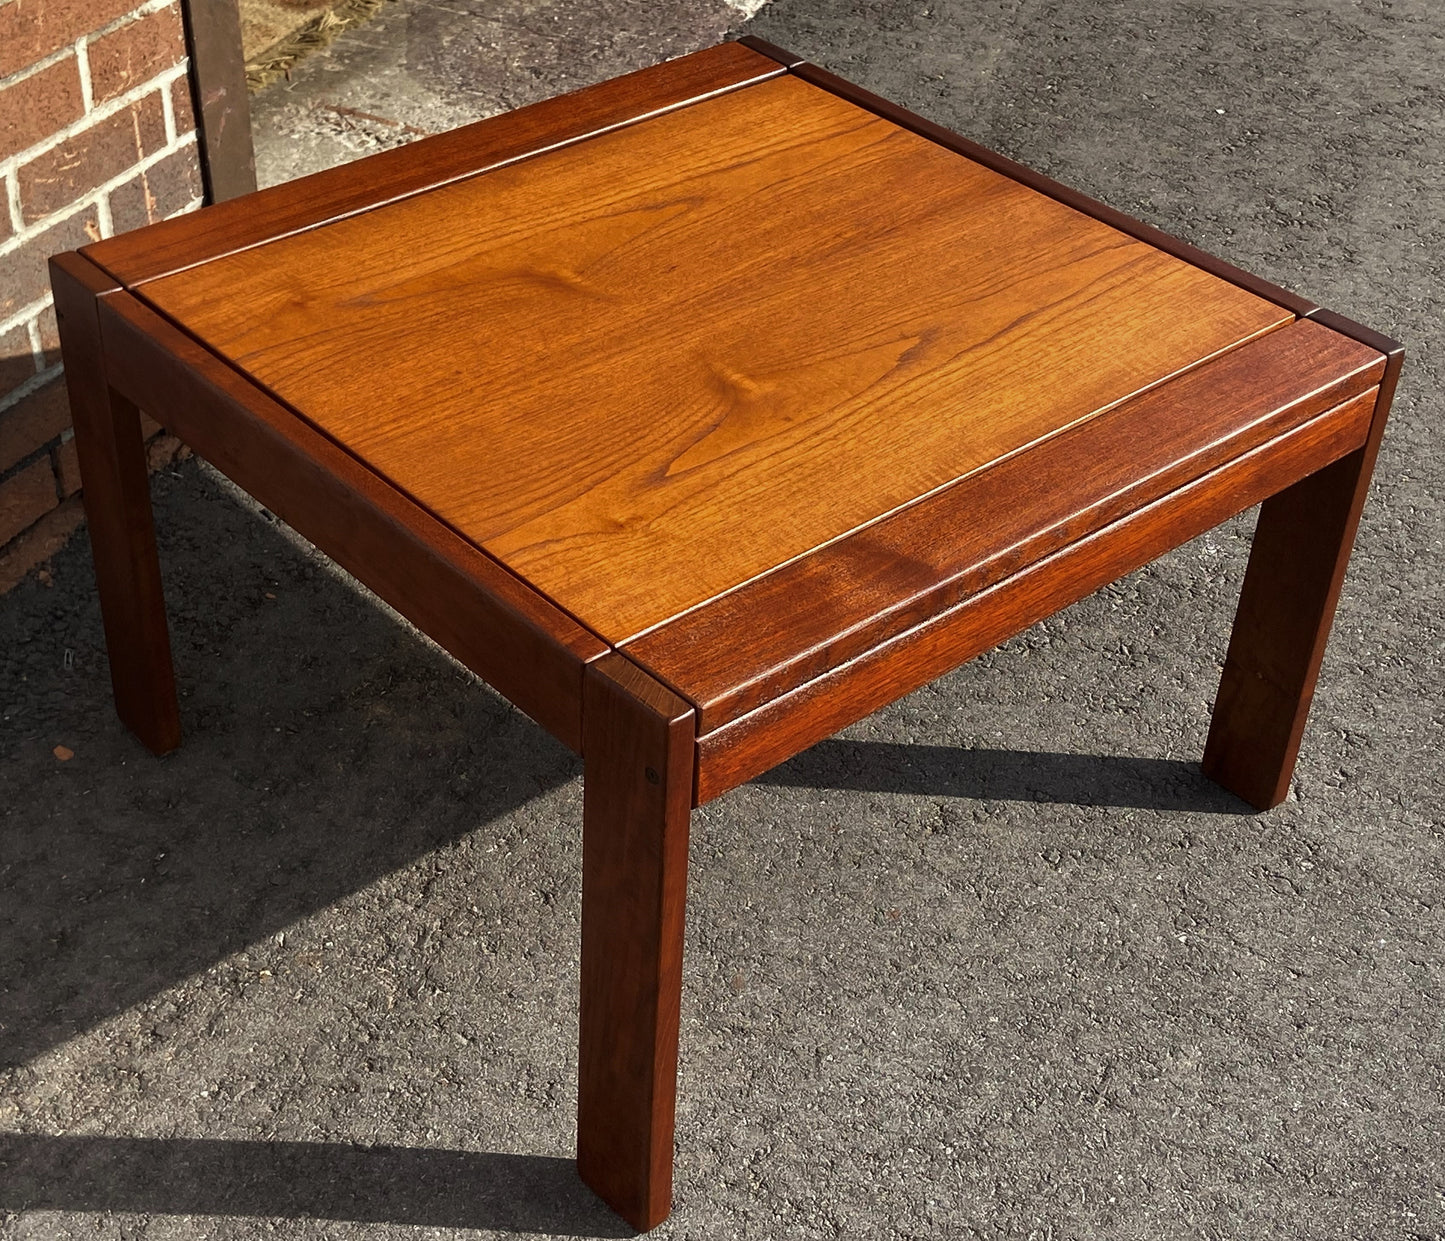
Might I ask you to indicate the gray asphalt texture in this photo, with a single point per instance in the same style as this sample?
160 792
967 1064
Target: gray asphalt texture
997 962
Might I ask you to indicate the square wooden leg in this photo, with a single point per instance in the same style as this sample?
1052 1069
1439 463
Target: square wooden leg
1296 567
638 747
118 513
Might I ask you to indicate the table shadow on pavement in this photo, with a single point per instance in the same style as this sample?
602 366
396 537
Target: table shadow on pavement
325 746
295 1180
1006 775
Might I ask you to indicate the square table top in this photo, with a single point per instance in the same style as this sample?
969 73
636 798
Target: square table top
646 368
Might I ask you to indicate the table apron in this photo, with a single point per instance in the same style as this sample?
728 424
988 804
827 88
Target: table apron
748 746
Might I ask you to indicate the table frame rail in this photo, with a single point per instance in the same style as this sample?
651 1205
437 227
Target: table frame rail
121 354
815 613
792 722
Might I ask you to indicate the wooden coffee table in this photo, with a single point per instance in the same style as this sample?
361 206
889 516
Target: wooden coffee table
701 413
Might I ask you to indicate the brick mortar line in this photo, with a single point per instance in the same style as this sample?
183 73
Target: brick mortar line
12 200
104 221
37 346
162 81
24 315
25 462
95 198
40 66
55 57
87 87
33 384
168 111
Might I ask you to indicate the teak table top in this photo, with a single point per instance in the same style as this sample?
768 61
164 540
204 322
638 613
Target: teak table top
649 367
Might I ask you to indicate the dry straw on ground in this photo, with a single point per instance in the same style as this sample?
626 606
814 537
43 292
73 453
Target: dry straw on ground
307 27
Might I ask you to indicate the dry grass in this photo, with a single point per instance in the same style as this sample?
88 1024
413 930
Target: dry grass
314 34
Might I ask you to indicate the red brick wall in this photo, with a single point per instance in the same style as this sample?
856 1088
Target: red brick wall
96 137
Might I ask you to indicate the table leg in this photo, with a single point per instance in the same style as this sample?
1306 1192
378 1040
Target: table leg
1296 568
638 748
118 512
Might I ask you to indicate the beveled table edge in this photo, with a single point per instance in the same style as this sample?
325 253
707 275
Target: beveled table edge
792 721
818 611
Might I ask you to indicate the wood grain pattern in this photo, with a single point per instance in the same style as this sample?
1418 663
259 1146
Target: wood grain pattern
1166 242
750 745
736 652
501 629
643 370
337 192
118 511
1296 571
638 741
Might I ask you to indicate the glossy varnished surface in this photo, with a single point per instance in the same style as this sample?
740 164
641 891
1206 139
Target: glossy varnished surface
649 367
280 210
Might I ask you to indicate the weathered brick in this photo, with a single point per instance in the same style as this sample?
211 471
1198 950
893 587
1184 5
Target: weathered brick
24 276
67 468
26 497
93 156
40 542
33 422
31 30
181 105
161 190
17 363
49 336
135 52
36 107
